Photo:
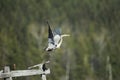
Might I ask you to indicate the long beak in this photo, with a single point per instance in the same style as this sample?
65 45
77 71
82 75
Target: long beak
64 35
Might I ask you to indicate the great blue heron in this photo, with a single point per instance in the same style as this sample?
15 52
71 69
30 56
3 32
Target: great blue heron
55 39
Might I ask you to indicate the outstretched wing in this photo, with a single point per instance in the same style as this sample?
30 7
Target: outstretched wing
50 33
57 31
50 39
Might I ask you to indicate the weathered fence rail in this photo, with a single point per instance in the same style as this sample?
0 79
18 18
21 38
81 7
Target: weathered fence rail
19 73
7 74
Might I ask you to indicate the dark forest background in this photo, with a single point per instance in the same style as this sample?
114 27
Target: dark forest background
91 52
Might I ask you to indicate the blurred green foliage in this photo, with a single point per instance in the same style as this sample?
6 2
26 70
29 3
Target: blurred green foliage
94 28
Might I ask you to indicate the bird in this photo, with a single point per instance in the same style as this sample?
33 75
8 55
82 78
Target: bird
43 68
55 39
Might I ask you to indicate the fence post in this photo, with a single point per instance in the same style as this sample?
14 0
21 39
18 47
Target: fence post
6 70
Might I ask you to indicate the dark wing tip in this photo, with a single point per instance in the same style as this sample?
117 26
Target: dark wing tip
50 34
